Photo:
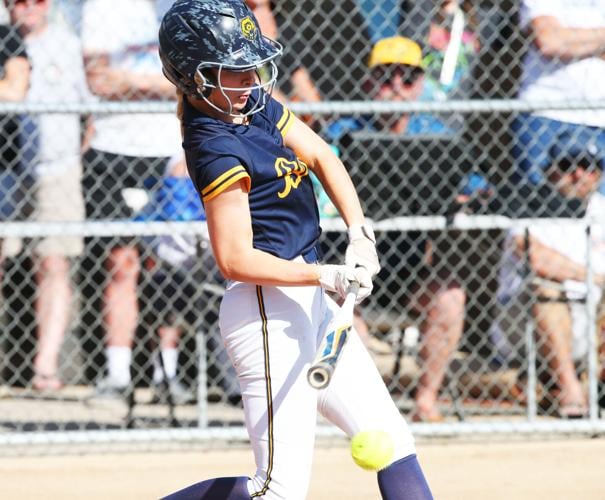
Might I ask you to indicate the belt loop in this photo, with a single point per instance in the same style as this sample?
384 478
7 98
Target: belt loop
313 255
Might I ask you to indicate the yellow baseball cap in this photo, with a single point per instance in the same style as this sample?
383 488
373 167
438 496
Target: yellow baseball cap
396 50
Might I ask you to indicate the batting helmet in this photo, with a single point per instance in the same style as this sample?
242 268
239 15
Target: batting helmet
197 36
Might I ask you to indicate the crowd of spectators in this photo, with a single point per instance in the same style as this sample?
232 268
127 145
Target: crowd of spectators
66 167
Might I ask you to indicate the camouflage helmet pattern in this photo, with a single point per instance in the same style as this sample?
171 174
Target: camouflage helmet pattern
201 34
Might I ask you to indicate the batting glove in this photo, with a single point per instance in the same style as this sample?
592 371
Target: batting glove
338 278
361 251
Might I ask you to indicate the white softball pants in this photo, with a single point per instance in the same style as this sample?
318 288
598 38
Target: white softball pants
271 335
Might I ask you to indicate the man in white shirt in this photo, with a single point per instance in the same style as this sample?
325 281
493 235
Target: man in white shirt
565 61
550 280
120 43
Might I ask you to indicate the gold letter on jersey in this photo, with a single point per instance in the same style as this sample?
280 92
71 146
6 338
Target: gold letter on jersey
292 172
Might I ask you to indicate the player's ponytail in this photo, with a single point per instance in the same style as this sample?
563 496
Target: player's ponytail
179 109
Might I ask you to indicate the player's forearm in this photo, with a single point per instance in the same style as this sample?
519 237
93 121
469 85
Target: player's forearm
339 187
556 41
261 268
333 175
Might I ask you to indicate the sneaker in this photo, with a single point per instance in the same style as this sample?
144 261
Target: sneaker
180 394
108 389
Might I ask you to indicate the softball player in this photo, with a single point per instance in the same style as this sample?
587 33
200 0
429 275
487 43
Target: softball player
249 158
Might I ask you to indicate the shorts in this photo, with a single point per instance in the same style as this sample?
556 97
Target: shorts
107 176
58 198
12 195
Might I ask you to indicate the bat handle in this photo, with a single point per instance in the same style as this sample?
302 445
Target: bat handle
319 375
352 291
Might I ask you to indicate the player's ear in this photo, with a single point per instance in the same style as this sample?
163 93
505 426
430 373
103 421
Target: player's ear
203 78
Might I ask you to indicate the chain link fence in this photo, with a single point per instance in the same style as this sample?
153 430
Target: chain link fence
470 309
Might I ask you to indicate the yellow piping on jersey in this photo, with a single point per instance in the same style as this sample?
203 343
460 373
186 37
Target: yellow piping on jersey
225 180
285 122
263 315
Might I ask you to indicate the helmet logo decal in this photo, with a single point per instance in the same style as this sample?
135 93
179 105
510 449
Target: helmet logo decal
248 28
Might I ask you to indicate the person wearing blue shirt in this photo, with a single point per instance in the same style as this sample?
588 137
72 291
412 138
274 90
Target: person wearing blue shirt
397 75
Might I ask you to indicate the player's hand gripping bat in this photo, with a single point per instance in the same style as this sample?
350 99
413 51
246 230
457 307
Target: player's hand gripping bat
321 371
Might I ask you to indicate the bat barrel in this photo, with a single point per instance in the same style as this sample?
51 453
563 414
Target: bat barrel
319 375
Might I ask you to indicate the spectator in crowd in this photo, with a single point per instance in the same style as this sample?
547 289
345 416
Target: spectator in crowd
172 295
565 61
14 82
51 146
452 46
396 74
120 46
547 272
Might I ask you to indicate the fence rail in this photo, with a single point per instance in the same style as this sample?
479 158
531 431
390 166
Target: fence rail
464 106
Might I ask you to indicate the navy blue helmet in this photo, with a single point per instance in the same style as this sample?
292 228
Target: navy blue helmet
199 36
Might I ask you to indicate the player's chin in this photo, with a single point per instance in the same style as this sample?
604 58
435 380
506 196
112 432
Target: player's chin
241 102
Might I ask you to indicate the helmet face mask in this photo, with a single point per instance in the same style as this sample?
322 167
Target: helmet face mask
201 40
209 77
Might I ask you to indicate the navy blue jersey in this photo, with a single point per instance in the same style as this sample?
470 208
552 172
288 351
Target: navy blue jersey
285 219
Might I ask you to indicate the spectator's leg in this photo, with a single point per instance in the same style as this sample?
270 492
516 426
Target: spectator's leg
169 341
53 303
441 332
121 311
165 367
554 332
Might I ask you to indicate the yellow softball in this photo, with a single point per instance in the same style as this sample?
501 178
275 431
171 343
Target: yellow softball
372 450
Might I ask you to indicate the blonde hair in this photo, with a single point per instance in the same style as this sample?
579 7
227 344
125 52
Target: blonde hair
180 104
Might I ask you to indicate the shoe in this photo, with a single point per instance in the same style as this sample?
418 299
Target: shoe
235 400
573 410
427 418
109 389
180 394
517 394
46 382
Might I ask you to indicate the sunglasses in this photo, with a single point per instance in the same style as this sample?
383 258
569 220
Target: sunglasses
386 74
569 164
28 2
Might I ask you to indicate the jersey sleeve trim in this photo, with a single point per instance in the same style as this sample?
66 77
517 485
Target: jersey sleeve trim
225 180
285 122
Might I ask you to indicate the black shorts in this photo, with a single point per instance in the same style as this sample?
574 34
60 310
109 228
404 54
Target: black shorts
106 175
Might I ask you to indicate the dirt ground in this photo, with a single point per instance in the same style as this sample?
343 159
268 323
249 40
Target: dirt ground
521 469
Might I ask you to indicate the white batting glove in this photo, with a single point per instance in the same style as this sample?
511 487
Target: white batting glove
338 278
361 251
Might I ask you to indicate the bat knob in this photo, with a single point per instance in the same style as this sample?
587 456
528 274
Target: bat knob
319 375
